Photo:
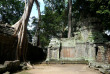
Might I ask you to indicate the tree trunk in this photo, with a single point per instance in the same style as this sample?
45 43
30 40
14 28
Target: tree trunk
69 18
21 31
39 21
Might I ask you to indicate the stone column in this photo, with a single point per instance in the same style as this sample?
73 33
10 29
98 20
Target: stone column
91 52
48 55
58 53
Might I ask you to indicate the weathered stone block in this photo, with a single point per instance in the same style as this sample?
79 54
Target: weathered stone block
102 70
8 65
69 49
8 43
105 66
12 65
6 72
2 69
101 54
6 29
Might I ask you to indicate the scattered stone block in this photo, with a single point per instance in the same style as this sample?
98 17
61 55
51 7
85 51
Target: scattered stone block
2 68
10 66
6 72
108 72
102 70
105 66
26 66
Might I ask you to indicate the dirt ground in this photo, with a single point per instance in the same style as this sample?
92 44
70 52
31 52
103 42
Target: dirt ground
61 69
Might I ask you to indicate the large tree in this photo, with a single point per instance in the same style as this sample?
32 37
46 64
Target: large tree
62 8
69 18
21 29
54 22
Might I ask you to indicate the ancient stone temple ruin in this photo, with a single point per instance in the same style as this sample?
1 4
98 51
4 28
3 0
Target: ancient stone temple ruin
8 43
88 44
67 49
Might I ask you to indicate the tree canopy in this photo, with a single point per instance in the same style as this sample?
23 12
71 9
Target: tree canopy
54 21
94 8
11 10
55 18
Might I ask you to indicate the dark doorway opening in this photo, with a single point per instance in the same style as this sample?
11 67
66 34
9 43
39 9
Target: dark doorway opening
96 51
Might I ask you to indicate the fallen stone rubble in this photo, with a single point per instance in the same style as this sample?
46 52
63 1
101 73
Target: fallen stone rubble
10 66
102 67
6 30
13 66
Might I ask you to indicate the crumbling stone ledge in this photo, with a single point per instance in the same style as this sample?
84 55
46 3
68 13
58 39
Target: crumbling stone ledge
10 66
8 43
6 30
102 67
13 66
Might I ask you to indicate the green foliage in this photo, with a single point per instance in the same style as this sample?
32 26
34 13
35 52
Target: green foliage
94 8
97 37
54 21
53 25
56 11
11 10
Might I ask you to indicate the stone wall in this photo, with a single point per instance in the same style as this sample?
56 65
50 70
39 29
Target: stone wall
103 53
100 54
83 46
53 50
107 54
7 43
88 44
102 62
68 49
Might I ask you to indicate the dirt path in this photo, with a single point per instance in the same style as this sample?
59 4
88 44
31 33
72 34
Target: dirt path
61 69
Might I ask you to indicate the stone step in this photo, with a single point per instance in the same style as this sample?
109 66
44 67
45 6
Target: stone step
65 62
